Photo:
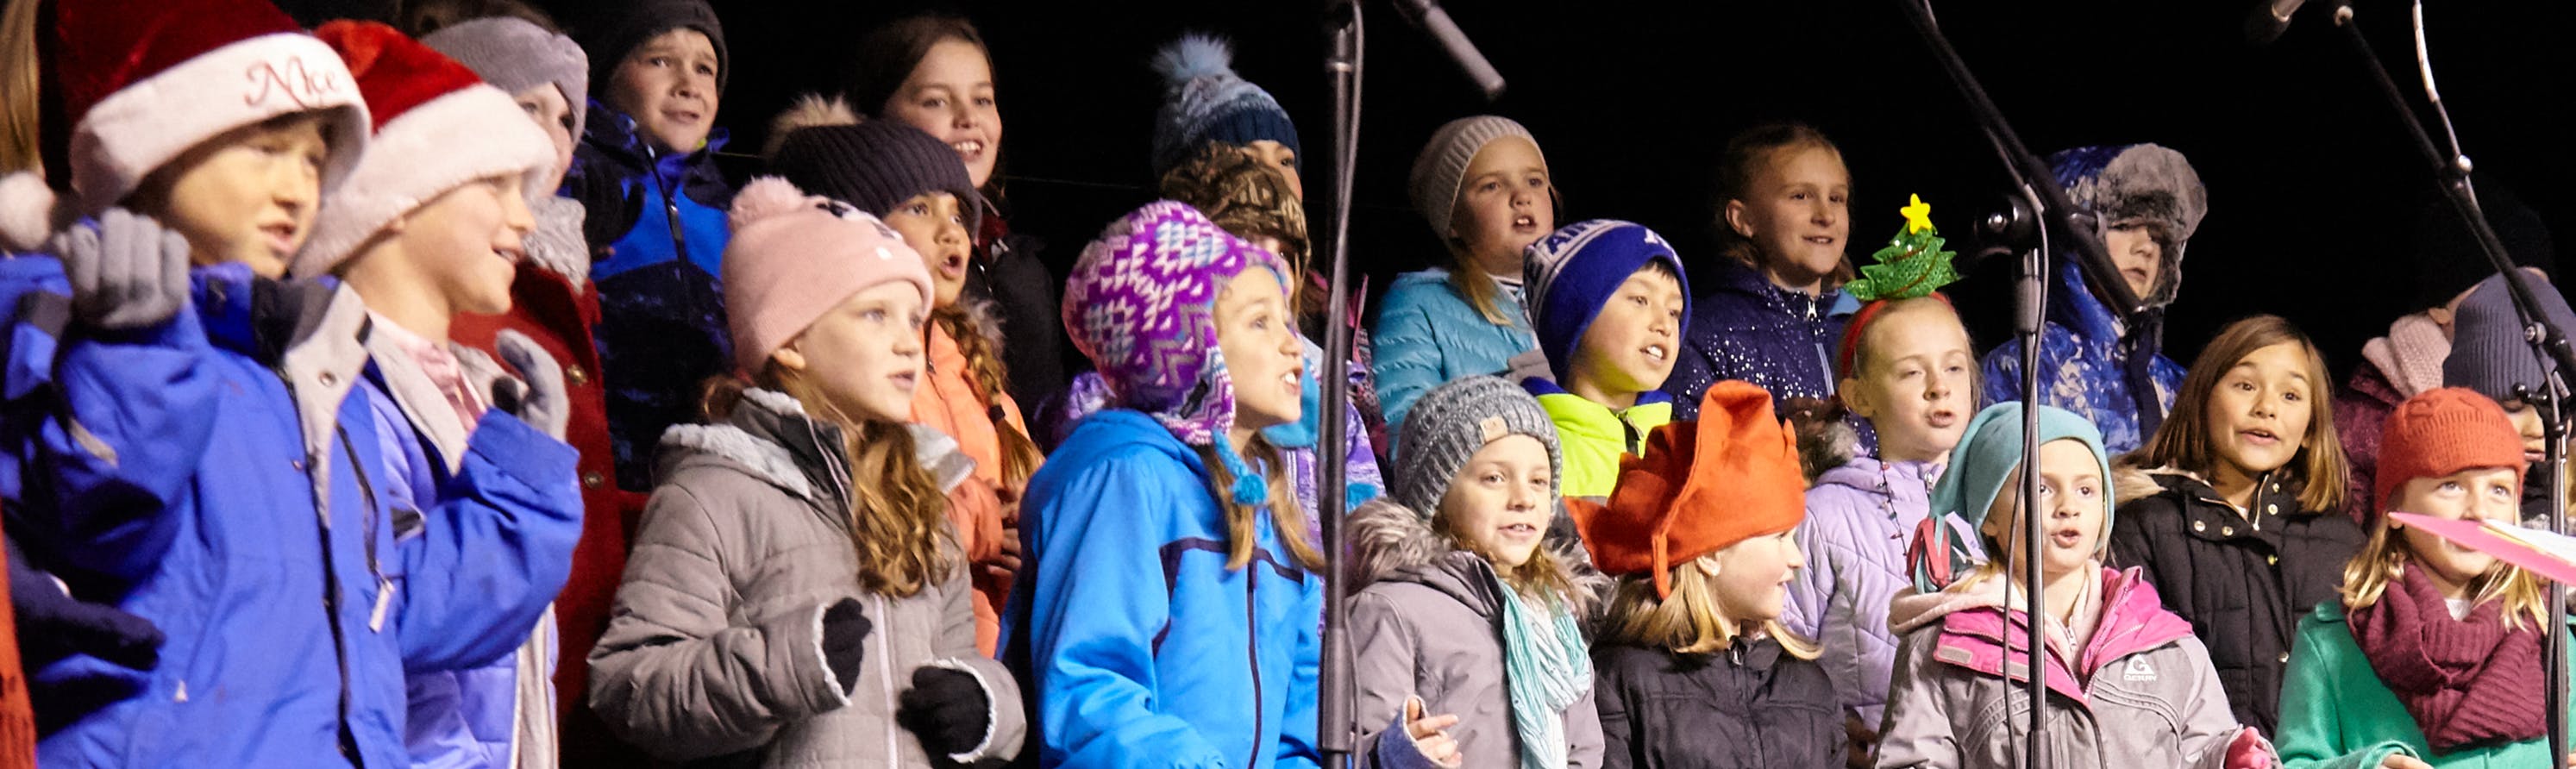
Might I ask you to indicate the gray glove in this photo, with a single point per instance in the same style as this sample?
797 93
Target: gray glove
540 402
127 271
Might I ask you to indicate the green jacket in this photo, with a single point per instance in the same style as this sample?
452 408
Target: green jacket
1594 436
2335 714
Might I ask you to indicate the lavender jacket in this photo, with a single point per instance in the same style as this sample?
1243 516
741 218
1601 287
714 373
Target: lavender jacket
1859 520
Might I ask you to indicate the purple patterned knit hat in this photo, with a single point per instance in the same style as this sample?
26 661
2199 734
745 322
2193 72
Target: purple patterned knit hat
1141 304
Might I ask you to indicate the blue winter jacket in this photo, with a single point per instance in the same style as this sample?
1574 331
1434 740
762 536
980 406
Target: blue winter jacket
192 484
1427 334
1748 329
662 325
1141 647
2083 365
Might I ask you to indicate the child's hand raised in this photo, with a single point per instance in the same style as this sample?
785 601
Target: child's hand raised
2403 761
126 272
1430 733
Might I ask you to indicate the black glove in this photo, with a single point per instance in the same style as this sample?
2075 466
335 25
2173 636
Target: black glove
126 273
946 710
845 640
52 624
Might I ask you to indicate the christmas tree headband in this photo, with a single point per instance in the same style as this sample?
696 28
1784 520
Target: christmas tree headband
1912 266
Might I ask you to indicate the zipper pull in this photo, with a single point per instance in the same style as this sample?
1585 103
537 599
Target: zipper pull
384 601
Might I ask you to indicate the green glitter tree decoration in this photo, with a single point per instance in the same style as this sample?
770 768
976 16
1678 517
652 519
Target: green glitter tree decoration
1912 265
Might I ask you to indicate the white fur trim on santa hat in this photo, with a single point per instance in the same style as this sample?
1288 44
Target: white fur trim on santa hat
29 211
151 121
468 134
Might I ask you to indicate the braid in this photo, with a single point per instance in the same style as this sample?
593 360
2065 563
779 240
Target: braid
990 378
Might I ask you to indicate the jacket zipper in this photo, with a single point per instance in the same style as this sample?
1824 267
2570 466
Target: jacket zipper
670 203
1252 636
885 682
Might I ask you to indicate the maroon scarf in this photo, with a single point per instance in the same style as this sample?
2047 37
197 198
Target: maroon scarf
2465 681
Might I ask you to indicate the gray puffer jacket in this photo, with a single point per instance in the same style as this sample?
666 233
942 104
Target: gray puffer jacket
715 646
1427 623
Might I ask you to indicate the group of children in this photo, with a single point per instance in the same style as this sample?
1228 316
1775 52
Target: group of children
592 454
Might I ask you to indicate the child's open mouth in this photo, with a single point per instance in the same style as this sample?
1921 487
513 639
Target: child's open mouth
968 149
1656 353
281 237
904 381
2066 538
2260 437
1941 419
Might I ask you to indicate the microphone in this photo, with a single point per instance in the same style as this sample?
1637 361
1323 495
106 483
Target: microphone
1427 16
2269 20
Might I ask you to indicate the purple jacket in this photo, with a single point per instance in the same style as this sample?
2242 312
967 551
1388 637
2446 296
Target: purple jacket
1748 329
1858 520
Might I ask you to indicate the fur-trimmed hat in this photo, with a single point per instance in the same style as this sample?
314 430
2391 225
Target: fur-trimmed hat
794 257
1572 273
144 81
422 102
1141 304
1204 101
1703 486
515 54
2111 185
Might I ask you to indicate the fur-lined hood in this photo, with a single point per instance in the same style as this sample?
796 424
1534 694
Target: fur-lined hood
1391 543
770 437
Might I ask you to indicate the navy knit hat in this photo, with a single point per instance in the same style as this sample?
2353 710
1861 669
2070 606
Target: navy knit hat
2488 353
1204 101
615 33
874 166
1572 272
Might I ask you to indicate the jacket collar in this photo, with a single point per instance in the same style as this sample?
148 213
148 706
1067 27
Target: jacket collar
1393 543
1737 278
770 436
1983 635
1907 482
313 333
615 133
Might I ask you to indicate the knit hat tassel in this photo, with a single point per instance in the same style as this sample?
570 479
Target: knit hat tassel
1249 487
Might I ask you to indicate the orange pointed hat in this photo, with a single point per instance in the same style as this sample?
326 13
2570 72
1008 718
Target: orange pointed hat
1702 486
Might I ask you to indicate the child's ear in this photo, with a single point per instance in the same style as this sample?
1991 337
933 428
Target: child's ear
1855 399
1735 219
789 357
1707 565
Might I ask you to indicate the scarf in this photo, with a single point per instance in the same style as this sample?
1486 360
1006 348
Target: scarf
1547 667
2464 681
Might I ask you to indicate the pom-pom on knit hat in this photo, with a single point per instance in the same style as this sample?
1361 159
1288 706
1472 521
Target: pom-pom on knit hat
1204 101
875 165
1988 453
515 54
422 102
1703 486
1570 274
620 27
2440 432
1454 421
144 81
794 257
1442 166
1141 304
2488 351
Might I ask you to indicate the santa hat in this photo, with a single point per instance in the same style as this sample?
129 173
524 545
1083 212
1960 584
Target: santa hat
437 127
144 81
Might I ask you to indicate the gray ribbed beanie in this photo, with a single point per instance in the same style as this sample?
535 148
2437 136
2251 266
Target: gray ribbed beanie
1450 423
515 55
1439 170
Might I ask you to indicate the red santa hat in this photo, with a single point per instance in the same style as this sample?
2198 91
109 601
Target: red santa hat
144 81
438 127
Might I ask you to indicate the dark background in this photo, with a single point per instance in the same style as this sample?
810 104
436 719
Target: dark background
2314 187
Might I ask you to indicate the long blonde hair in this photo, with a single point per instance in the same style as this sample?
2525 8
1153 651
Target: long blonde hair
21 140
2387 555
898 516
1689 622
1242 530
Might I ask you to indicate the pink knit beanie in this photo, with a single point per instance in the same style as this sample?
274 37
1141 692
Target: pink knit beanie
795 256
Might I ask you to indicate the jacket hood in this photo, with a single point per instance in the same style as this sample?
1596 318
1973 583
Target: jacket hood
769 436
2113 184
1391 543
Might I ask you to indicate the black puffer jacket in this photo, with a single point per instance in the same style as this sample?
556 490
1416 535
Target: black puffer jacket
1755 707
2242 581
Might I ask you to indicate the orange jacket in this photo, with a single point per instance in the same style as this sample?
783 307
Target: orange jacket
985 508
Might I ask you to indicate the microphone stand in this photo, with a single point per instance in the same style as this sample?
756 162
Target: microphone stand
1337 732
2548 343
2030 318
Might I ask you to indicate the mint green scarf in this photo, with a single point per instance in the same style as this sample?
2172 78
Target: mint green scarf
1547 667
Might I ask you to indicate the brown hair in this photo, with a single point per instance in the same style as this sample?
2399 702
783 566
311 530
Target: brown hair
2184 441
1251 199
887 56
2385 557
898 517
22 79
418 18
1241 532
1689 622
990 379
1749 153
1543 576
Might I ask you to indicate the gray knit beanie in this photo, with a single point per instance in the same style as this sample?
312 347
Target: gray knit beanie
2488 351
1443 164
515 55
1450 423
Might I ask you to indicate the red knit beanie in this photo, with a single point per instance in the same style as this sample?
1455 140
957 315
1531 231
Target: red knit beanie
1703 486
2440 432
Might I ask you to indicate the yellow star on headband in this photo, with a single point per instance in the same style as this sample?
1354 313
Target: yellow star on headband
1918 214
